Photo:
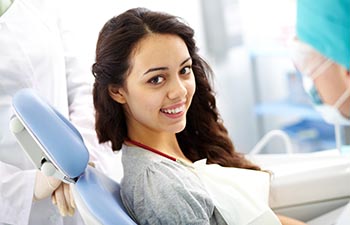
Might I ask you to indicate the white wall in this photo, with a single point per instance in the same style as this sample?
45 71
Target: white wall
88 17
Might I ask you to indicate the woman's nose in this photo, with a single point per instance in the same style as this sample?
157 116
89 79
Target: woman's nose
177 89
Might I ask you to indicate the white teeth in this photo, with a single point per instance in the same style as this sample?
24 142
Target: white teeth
173 111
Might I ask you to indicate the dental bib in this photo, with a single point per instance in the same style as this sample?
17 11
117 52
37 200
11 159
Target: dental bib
240 195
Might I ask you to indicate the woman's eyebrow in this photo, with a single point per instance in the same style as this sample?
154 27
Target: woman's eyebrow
164 68
185 61
155 69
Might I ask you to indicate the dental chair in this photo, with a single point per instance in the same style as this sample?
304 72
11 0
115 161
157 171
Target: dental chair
56 148
312 187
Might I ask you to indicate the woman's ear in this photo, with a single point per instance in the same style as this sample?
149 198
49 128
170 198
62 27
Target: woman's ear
117 94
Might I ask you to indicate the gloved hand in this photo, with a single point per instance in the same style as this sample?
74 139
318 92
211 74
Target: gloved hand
44 186
63 198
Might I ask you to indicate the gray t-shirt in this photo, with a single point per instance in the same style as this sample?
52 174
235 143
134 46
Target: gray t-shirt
157 190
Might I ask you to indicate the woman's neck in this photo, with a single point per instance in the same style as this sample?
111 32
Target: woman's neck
166 143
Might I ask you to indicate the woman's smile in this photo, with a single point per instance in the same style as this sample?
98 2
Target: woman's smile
174 111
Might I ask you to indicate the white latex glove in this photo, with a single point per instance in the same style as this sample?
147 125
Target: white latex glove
44 186
63 198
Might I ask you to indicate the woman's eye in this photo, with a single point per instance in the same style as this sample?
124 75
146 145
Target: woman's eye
156 80
186 70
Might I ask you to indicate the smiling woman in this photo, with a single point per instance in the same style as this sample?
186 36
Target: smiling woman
154 101
159 88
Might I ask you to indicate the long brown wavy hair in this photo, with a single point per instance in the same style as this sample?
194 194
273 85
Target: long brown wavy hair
204 135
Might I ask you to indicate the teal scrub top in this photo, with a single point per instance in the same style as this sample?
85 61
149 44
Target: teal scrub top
325 25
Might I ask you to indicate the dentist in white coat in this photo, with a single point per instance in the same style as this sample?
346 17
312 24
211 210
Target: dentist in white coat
35 52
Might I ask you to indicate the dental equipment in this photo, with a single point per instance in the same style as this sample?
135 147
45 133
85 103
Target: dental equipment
56 148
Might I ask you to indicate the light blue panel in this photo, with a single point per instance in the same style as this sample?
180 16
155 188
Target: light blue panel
101 195
60 139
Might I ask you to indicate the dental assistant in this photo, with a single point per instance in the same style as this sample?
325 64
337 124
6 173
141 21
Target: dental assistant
36 52
321 53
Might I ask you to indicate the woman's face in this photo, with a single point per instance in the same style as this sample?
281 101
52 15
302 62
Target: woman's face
159 88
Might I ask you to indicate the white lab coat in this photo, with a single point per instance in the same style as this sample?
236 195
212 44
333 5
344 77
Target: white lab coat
35 53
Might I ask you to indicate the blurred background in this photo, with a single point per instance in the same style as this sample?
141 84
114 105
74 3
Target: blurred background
246 43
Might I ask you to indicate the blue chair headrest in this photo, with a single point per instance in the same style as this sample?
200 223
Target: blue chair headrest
60 142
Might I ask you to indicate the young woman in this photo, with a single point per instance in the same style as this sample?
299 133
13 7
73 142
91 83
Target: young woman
154 101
